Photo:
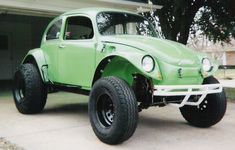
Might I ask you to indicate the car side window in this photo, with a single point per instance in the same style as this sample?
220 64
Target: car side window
78 28
54 31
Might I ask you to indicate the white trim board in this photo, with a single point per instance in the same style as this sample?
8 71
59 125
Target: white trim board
51 8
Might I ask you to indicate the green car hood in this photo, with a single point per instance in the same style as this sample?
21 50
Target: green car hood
164 50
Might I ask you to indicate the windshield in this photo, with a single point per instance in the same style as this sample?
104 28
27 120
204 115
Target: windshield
115 23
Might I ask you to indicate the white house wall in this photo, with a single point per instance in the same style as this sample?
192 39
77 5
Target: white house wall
51 8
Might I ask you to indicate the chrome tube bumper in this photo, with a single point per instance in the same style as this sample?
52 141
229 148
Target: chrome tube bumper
187 91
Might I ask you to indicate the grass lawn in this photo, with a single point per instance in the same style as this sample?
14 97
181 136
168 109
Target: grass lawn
225 74
230 93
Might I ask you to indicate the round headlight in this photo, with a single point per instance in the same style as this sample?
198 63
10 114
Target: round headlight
206 65
148 63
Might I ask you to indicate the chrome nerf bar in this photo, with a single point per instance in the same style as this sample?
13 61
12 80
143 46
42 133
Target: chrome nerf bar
187 91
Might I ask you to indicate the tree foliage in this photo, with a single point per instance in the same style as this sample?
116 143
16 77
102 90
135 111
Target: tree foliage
179 18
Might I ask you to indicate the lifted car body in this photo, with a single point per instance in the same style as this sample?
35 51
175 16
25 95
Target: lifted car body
169 56
124 45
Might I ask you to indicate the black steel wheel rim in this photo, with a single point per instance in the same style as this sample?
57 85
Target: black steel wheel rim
105 110
19 88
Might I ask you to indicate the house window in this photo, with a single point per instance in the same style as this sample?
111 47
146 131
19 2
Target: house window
4 42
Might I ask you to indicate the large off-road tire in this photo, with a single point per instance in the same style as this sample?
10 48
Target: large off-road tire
113 110
29 91
210 111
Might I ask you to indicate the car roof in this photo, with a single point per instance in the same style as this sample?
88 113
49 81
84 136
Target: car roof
94 10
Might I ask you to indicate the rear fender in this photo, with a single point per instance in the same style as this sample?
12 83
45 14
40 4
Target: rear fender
36 57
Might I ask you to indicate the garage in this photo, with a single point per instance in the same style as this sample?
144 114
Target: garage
22 24
18 34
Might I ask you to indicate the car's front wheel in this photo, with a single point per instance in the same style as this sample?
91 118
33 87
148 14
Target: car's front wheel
210 111
113 110
29 91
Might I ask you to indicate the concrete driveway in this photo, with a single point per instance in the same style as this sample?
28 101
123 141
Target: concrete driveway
65 125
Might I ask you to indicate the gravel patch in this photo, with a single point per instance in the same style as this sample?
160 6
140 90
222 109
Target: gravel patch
7 145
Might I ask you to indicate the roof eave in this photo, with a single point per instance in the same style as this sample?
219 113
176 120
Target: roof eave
133 4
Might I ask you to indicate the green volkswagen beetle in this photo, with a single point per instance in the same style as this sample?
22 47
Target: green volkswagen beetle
119 60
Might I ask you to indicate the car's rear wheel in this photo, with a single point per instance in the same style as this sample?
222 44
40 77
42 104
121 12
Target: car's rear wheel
29 91
210 111
113 110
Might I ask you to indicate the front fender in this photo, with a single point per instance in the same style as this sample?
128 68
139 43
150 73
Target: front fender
132 55
37 56
214 63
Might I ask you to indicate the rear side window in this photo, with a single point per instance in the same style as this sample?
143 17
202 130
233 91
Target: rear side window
78 28
54 31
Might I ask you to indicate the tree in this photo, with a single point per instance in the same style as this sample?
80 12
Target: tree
214 18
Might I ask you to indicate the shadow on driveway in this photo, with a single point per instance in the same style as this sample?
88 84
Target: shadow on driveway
79 108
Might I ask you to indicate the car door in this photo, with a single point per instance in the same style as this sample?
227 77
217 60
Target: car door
50 46
77 52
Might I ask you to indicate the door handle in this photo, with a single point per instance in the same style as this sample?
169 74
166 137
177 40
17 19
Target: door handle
62 46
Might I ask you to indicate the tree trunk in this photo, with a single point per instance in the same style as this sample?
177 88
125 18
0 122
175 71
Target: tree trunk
184 30
183 12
